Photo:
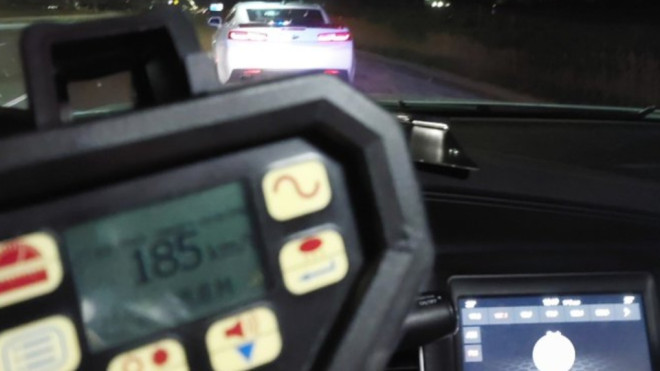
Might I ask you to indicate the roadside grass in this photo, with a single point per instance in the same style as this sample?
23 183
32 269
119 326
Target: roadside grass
561 60
204 33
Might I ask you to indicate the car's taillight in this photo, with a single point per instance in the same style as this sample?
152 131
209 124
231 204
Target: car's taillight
334 36
247 36
331 72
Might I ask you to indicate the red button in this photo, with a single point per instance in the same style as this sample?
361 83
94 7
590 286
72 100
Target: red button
160 357
310 245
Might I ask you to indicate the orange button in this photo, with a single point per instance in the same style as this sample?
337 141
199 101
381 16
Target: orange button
246 341
313 262
296 190
47 344
30 266
164 355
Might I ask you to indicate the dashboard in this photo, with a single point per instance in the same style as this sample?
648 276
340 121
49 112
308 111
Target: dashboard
534 227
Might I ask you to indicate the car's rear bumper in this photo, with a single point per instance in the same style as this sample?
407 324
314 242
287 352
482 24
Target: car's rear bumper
252 74
282 58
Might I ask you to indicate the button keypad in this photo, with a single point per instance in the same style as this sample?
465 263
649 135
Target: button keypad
296 190
30 266
47 344
314 261
164 355
245 341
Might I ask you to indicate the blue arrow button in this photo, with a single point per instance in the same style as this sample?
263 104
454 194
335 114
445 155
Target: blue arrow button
246 350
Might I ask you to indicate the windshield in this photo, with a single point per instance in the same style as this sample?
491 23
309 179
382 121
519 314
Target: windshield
287 17
579 52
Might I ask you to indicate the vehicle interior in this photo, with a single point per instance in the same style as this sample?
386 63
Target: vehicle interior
152 218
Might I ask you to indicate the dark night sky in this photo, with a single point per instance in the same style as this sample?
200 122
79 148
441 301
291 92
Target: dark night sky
610 6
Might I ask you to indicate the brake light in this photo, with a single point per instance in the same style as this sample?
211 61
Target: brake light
334 36
251 72
247 36
331 72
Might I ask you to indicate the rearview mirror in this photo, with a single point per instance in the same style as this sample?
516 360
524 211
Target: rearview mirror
215 22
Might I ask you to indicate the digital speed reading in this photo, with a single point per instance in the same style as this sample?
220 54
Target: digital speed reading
167 256
159 266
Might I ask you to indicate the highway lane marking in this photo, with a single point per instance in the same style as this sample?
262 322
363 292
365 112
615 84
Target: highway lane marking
14 23
15 101
13 26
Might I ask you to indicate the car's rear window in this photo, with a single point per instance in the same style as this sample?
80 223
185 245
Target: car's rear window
287 17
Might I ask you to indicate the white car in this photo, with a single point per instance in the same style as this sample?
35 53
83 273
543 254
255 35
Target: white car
261 39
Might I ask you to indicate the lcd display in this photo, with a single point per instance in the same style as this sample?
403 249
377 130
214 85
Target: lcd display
160 266
554 333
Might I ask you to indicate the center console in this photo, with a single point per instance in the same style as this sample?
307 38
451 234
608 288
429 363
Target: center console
553 323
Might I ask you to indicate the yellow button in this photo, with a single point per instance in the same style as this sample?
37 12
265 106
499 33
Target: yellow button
245 341
30 266
296 190
164 355
313 262
47 344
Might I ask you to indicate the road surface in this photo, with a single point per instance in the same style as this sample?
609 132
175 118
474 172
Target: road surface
386 78
377 76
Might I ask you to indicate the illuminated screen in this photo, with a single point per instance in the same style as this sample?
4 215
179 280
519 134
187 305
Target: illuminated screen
160 266
554 333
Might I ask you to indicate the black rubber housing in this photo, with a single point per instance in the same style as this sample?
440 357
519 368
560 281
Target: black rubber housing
44 174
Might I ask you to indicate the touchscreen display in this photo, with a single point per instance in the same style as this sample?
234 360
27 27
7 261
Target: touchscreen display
554 333
160 266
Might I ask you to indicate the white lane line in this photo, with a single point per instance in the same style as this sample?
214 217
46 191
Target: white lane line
13 26
15 101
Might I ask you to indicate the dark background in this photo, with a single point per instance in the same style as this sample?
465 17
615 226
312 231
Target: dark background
573 8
